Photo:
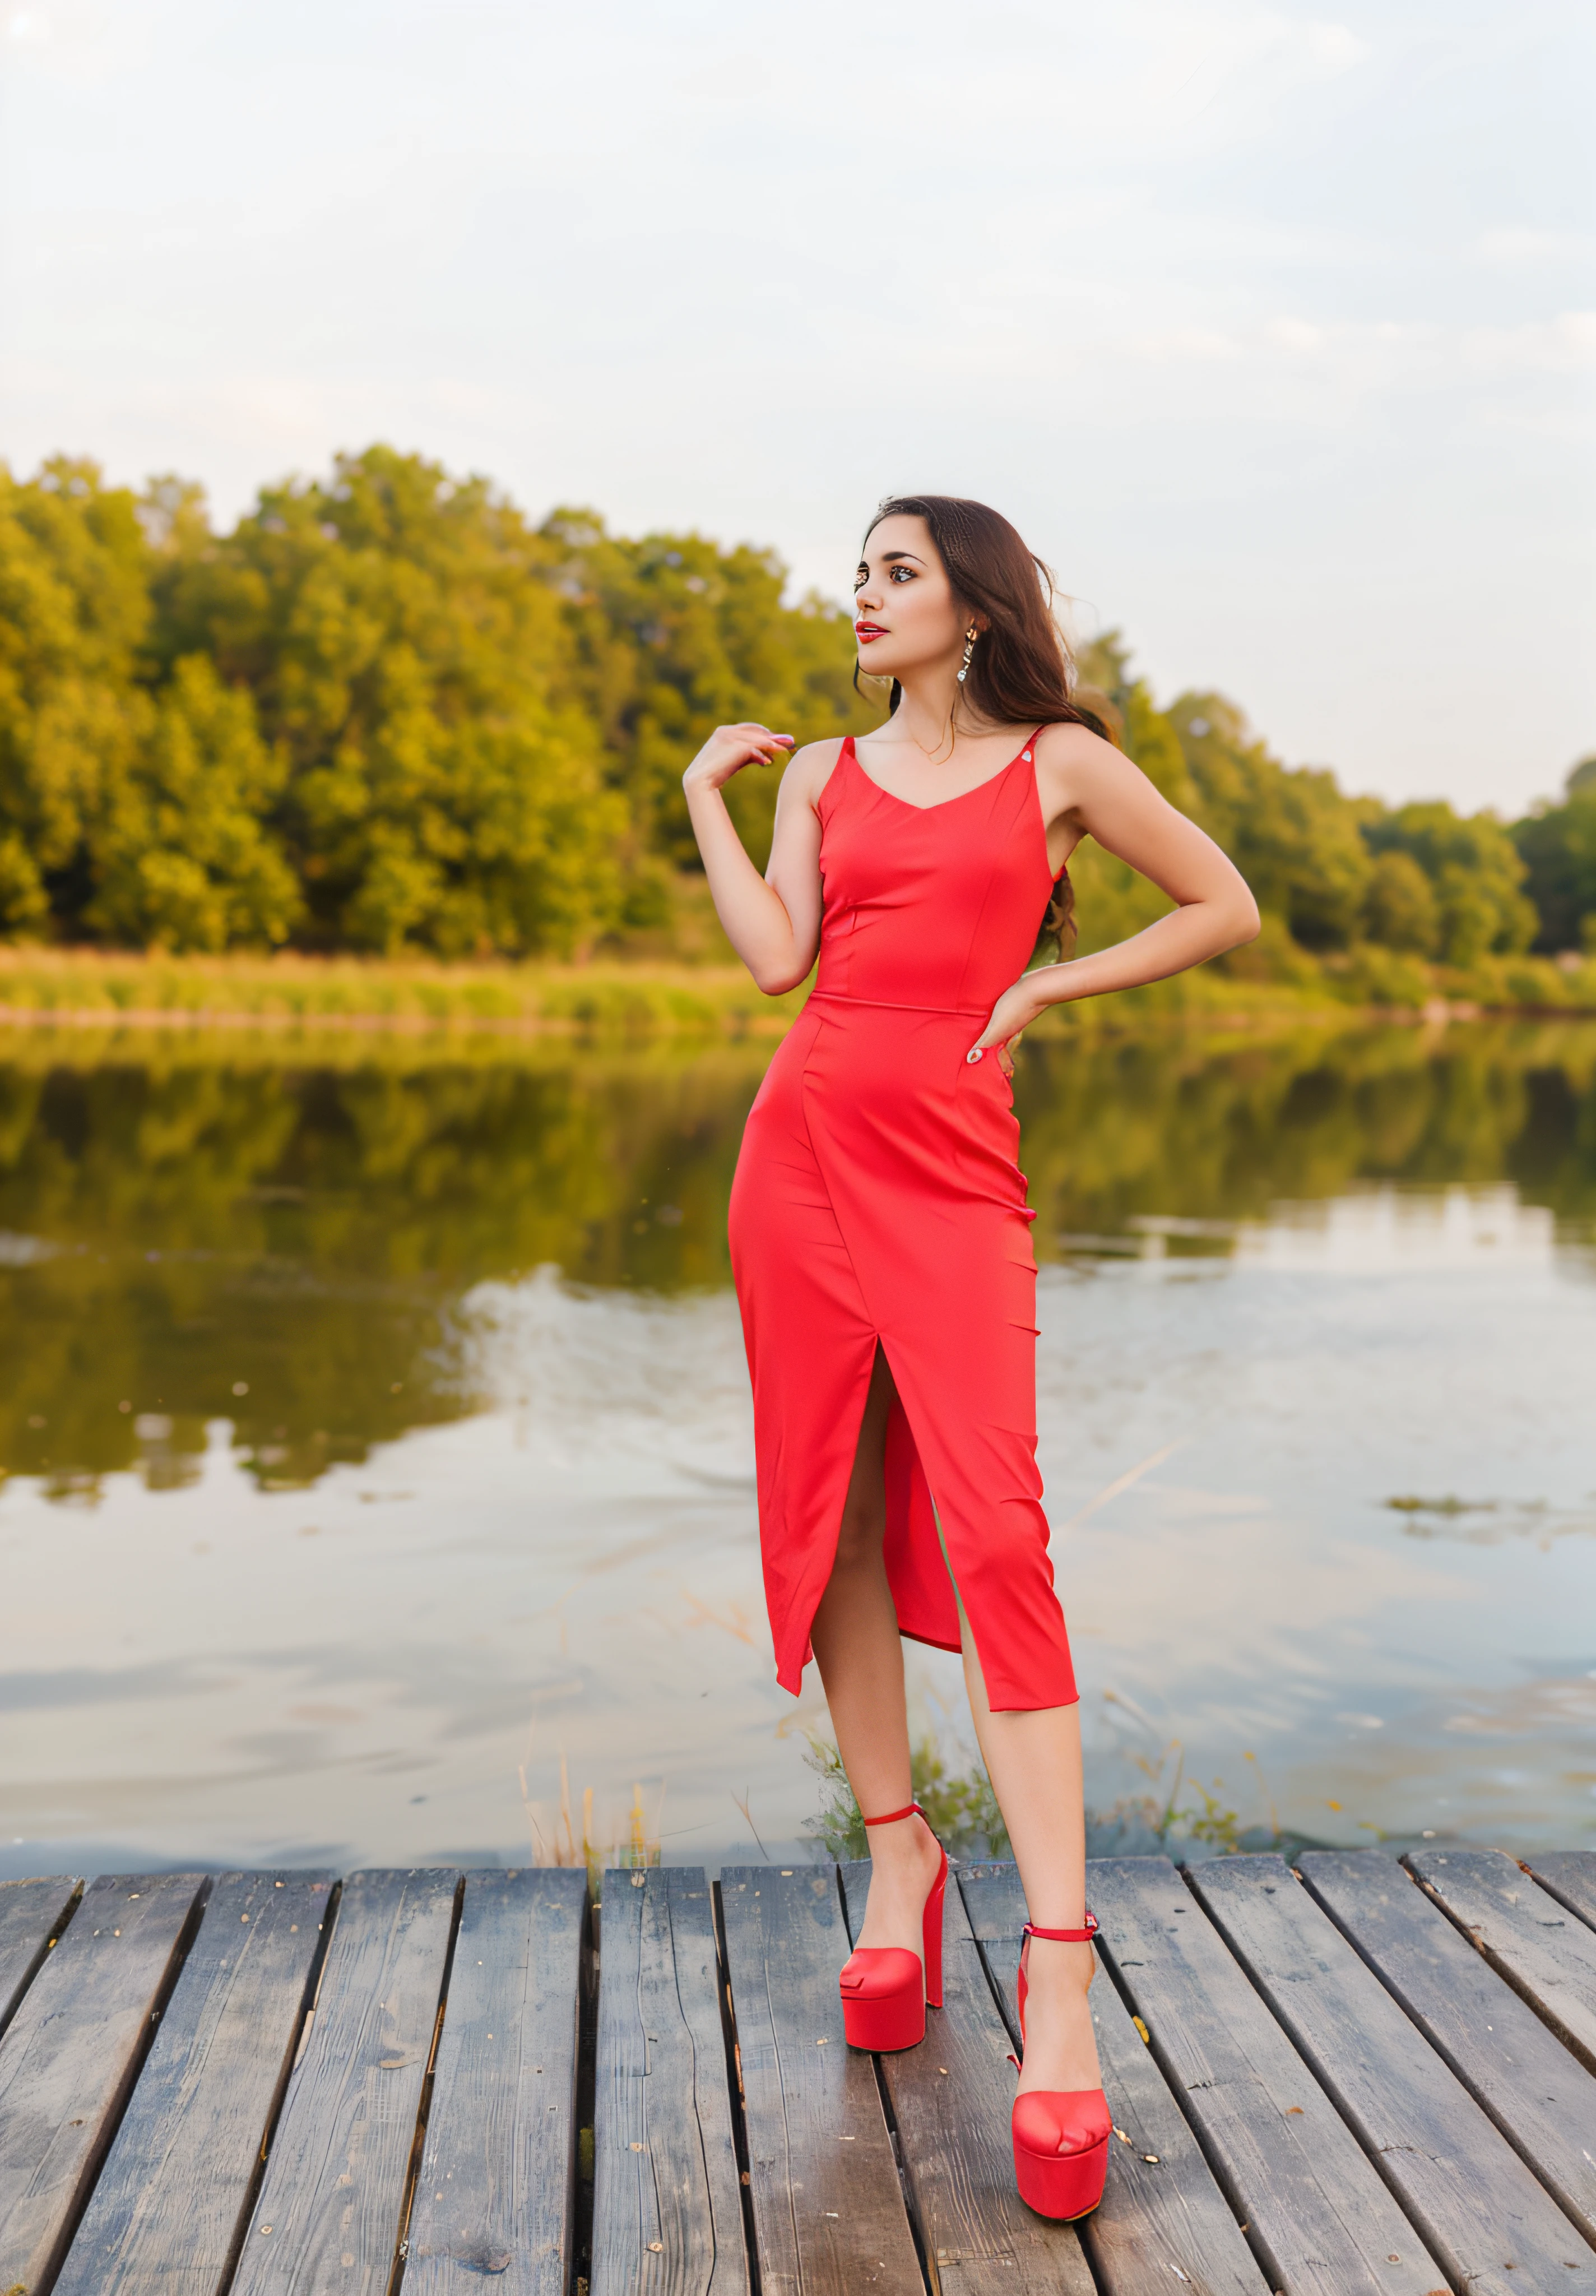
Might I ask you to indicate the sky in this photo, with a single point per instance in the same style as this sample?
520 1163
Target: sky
1274 331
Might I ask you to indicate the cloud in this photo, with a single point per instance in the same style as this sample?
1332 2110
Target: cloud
89 40
1221 62
1296 334
1557 346
1516 245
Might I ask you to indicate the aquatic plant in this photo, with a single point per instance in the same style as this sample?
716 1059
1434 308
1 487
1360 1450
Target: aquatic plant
960 1804
555 1842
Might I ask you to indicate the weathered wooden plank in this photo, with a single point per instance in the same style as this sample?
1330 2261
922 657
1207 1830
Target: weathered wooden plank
494 2195
1540 2096
168 2208
1481 2213
1319 2217
72 2053
1162 2214
1543 1952
951 2100
1570 1875
667 2197
32 1915
829 2216
331 2208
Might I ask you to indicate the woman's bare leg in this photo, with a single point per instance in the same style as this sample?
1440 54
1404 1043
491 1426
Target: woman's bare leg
1034 1760
861 1658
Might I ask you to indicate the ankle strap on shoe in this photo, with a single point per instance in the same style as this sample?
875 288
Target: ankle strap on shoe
913 1809
1063 1937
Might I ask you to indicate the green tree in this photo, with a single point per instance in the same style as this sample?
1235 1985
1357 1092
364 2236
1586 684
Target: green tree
403 647
674 636
1558 847
1400 909
184 860
1474 867
1291 830
385 711
74 608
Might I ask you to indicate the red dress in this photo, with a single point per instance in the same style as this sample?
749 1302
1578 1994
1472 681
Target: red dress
877 1199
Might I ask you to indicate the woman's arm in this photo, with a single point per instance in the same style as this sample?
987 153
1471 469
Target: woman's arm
1097 790
772 921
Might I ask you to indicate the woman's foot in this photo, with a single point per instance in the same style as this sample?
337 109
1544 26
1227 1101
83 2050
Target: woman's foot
906 1860
1061 2044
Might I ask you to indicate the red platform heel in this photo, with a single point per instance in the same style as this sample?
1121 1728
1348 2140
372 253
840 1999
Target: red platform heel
1060 2135
885 1988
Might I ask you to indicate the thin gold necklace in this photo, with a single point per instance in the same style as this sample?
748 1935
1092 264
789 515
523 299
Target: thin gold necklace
930 755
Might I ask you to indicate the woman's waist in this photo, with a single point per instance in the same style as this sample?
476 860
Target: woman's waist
847 1000
856 979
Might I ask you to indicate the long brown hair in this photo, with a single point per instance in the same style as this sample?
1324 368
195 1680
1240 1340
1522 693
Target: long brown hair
1020 671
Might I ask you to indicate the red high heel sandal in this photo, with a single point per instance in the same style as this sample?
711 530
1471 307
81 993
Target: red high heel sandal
885 1988
1060 2135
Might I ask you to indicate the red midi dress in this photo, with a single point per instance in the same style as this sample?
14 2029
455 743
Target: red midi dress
878 1200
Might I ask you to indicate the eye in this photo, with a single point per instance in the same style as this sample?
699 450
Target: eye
901 574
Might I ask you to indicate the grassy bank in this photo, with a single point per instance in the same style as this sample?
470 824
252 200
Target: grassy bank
97 989
93 988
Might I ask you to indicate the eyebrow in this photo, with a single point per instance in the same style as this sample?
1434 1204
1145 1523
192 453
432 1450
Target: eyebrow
888 557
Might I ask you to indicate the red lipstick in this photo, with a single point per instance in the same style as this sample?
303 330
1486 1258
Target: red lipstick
866 631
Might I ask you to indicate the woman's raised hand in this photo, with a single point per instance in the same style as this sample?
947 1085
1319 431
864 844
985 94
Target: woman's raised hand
728 750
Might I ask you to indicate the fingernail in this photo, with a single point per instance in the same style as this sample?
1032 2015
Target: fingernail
974 1055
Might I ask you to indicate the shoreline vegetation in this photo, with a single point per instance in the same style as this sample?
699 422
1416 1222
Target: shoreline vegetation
430 754
99 989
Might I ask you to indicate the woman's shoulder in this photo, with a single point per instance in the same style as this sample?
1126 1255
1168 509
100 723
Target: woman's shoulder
1066 737
1070 756
810 768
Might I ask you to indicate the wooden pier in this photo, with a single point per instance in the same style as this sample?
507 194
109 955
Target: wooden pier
1348 2076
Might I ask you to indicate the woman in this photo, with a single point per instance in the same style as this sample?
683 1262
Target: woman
880 1239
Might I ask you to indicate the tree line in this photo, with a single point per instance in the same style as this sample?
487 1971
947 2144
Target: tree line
386 712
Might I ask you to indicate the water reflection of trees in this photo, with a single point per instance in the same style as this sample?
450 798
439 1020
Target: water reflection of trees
209 1217
308 1232
1132 1126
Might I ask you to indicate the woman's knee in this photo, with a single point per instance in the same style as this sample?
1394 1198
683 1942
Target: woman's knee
859 1537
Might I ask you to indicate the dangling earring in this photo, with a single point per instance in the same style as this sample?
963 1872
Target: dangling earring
970 639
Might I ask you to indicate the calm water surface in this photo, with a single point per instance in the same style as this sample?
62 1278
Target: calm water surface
377 1462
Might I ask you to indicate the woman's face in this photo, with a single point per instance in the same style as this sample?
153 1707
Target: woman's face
905 615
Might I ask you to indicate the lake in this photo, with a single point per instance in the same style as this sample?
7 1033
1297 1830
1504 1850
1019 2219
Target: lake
378 1466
